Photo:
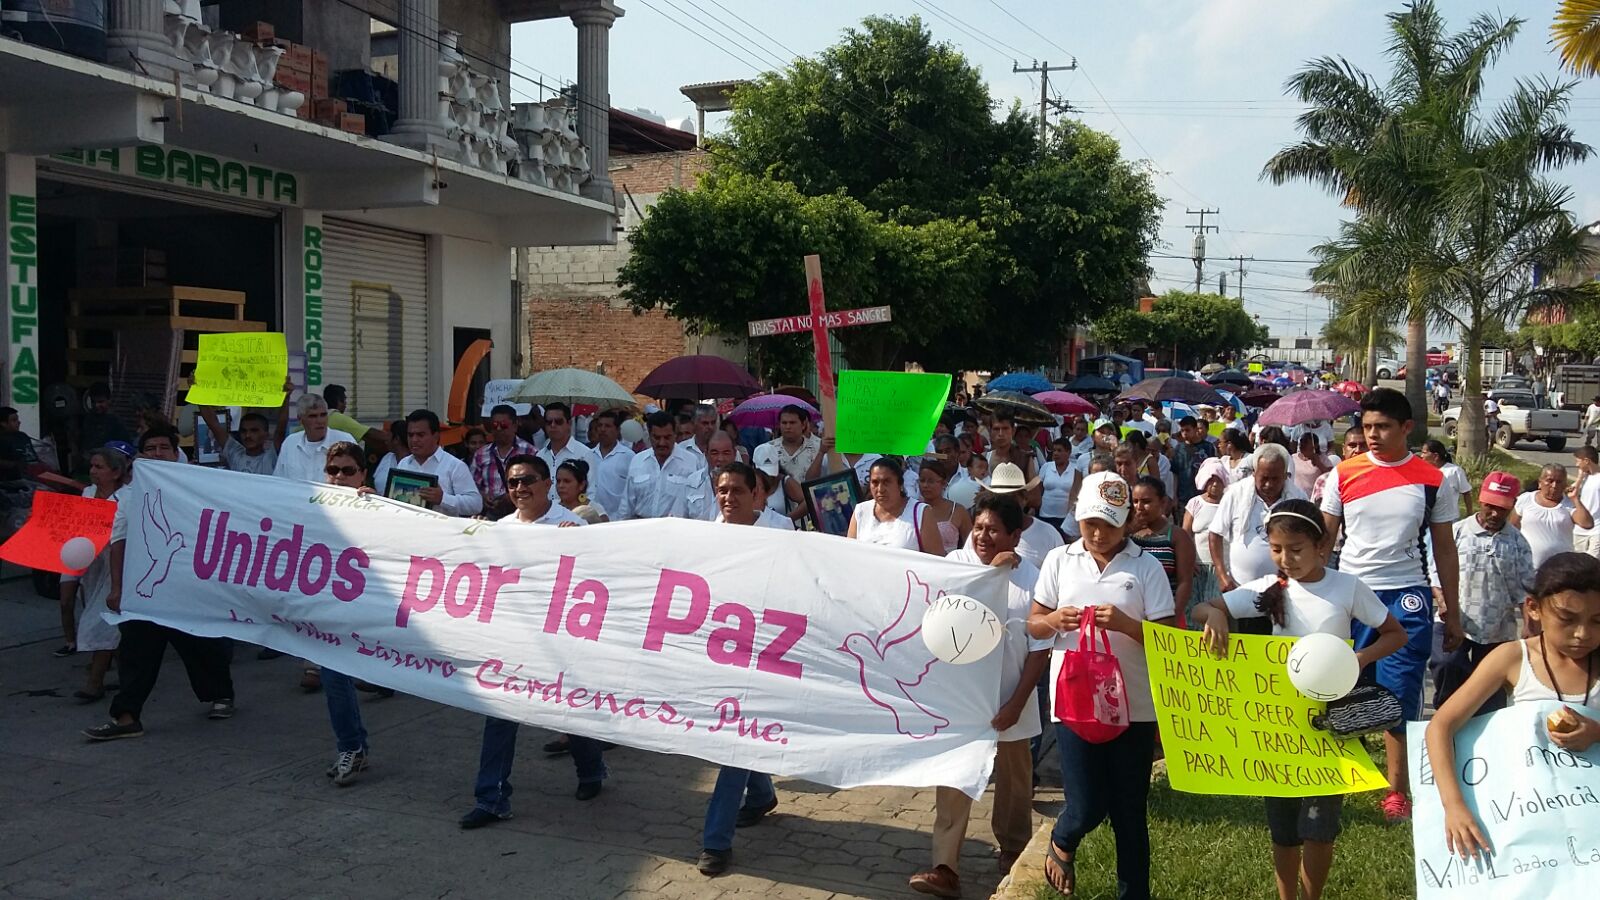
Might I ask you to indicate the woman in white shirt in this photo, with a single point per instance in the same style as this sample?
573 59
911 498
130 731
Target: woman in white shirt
1456 482
1547 515
1057 478
1211 480
85 595
892 519
1235 448
1127 587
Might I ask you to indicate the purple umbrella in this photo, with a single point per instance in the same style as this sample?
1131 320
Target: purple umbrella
697 378
762 410
1306 406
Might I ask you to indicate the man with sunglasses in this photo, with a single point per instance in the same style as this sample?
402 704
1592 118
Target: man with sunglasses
558 427
489 463
528 479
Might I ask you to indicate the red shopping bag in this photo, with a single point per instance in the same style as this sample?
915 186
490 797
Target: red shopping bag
1090 696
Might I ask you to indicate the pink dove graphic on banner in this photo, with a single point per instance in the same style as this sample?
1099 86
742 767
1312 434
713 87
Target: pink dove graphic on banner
891 665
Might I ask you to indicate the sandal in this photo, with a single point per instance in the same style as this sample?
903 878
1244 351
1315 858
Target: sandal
88 697
1067 869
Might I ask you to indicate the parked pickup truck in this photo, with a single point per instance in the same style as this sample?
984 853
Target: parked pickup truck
1522 420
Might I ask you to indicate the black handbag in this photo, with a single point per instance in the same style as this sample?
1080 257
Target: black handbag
1367 709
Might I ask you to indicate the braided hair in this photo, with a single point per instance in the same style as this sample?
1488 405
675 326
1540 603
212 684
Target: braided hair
1291 517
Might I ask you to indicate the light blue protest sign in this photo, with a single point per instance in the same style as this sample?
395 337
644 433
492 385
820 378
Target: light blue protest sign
1538 805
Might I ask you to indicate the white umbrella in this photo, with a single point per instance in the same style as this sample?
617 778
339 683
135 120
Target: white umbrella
572 386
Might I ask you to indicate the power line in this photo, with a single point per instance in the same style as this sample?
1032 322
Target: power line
971 31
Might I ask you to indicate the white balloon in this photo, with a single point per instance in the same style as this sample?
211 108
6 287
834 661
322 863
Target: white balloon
77 553
963 493
959 629
631 431
1322 666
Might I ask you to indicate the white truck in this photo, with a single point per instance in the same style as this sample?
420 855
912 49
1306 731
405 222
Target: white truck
1521 419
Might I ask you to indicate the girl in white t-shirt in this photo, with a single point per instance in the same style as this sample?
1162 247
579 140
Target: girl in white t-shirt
1303 598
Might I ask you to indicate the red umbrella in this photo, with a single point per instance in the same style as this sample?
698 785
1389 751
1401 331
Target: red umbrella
698 377
1350 387
1066 403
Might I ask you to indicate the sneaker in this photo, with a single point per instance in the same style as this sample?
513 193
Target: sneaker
713 862
478 817
346 766
111 731
222 709
64 651
1396 808
940 881
750 815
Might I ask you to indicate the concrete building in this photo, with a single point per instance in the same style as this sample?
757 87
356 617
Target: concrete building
574 315
380 258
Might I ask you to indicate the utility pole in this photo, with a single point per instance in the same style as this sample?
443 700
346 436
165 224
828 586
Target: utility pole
1045 102
1199 251
1241 260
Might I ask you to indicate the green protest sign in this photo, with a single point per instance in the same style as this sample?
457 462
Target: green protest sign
246 369
888 412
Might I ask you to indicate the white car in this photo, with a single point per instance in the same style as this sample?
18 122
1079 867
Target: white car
1522 419
1388 367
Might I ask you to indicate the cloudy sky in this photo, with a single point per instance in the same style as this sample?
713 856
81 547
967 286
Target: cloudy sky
1194 87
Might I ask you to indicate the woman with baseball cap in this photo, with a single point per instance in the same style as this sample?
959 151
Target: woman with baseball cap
1127 588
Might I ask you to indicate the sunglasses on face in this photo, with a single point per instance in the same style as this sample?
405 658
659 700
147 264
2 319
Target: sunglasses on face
345 471
523 481
554 423
502 426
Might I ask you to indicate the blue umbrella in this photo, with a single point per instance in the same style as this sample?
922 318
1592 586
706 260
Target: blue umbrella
1023 382
1176 410
1282 381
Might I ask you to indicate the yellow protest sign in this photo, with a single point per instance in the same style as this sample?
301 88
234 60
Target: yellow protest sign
1237 726
1257 368
240 370
1216 428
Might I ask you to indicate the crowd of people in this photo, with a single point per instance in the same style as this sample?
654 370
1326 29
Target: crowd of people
1211 522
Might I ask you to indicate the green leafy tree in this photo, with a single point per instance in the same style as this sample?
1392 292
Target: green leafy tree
732 251
989 248
1199 326
1448 194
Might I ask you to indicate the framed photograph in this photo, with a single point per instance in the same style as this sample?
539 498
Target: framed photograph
831 501
406 486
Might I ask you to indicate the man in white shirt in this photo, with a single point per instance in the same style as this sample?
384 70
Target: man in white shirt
558 426
610 480
303 454
669 481
456 494
1591 424
1238 537
996 529
1587 492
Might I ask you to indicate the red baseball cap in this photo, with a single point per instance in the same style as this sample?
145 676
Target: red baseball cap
1500 489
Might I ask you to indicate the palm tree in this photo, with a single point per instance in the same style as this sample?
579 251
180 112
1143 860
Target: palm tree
1576 32
1365 308
1423 165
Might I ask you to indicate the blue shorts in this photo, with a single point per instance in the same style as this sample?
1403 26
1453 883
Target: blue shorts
1402 671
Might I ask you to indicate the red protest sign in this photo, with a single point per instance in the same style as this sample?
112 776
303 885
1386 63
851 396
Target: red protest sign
57 519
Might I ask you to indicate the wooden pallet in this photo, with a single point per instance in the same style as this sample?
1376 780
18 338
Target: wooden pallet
160 300
92 341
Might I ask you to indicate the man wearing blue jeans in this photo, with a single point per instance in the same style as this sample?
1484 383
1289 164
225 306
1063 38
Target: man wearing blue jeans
742 797
1389 504
492 790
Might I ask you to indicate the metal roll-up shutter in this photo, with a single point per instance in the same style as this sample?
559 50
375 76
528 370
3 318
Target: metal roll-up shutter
375 318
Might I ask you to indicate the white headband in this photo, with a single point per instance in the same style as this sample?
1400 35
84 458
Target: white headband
1321 527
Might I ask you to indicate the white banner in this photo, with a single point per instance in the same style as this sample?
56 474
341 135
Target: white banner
789 653
1538 805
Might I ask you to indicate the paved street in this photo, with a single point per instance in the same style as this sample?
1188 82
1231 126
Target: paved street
241 808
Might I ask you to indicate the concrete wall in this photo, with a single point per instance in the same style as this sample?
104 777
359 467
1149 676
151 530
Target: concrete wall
471 288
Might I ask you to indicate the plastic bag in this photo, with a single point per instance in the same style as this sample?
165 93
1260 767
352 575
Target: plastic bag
1090 697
